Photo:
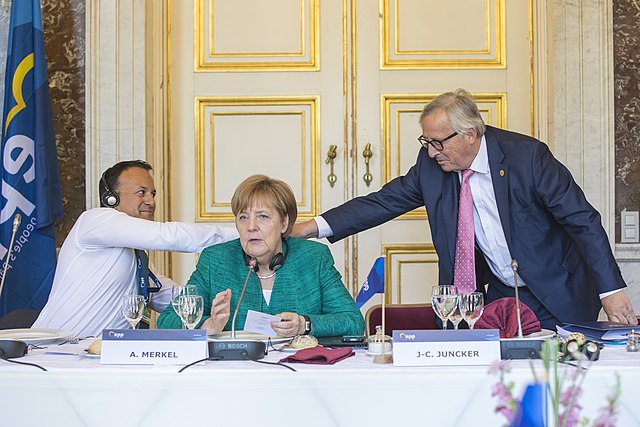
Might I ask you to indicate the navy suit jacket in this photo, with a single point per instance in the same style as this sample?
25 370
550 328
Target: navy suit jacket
552 231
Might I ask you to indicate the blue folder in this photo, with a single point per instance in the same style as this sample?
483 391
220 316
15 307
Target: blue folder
602 330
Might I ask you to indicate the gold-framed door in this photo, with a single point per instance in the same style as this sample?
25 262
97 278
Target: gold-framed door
311 74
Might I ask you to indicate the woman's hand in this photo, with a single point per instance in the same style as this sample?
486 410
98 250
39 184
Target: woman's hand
220 312
292 324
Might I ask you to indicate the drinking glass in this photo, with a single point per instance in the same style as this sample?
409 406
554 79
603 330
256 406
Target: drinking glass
190 309
133 309
444 300
456 316
471 307
176 291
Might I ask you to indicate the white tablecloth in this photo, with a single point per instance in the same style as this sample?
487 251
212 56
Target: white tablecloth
78 391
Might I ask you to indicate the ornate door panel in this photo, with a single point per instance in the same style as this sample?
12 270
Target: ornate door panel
269 86
407 52
256 87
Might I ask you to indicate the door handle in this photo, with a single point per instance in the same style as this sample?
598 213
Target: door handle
367 154
331 156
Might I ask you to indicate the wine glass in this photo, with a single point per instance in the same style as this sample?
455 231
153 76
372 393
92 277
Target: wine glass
178 290
444 300
190 309
133 309
456 316
471 307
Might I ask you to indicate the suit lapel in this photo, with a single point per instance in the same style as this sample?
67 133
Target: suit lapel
500 179
451 192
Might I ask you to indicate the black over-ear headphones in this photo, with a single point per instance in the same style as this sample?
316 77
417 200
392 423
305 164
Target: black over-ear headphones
109 198
276 262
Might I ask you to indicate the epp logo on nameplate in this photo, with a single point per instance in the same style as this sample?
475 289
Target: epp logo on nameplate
152 347
440 348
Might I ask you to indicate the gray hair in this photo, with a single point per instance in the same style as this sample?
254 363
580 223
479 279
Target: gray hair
460 108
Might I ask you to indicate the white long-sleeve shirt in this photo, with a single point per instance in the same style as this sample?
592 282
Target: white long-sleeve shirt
486 220
97 267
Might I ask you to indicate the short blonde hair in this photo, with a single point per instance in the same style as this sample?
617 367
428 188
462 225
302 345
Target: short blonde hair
272 192
460 108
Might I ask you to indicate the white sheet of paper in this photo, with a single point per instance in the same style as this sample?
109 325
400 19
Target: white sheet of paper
260 323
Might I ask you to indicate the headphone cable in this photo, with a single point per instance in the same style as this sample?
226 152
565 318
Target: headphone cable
24 363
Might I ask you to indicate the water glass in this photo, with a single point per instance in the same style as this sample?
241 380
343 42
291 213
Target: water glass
176 291
456 316
190 309
444 300
133 309
471 307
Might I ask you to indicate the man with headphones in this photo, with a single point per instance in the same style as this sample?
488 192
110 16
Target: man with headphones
103 257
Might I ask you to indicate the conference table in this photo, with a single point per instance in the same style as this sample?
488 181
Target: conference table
77 390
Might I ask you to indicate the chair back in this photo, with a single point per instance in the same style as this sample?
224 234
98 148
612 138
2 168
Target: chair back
19 319
401 316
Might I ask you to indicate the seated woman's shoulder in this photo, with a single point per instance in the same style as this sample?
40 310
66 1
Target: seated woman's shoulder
296 244
232 247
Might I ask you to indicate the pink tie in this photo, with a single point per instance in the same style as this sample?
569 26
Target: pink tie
464 276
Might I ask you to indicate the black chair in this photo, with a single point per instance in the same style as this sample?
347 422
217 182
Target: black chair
19 319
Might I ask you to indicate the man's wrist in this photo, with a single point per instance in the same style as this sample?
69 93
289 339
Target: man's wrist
606 294
323 227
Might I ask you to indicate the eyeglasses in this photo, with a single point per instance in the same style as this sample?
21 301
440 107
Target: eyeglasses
435 143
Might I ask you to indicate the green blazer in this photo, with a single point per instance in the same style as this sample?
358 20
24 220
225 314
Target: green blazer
307 284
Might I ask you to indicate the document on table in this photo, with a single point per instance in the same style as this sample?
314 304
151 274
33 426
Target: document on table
260 323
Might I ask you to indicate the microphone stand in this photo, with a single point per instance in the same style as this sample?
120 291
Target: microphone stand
16 223
519 348
252 265
514 267
233 348
10 349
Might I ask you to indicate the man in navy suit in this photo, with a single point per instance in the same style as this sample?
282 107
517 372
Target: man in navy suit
526 206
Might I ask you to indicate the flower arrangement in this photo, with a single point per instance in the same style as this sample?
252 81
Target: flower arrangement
563 386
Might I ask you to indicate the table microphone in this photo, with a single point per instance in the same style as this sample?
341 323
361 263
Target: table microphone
252 265
233 348
519 348
16 223
514 267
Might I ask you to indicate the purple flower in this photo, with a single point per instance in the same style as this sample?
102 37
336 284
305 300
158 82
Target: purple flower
570 417
606 419
499 367
507 412
500 389
566 403
572 392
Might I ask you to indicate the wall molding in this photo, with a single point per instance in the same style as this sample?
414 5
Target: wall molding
125 97
583 122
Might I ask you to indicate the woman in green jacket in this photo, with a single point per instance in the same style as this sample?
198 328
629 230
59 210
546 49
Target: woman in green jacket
294 279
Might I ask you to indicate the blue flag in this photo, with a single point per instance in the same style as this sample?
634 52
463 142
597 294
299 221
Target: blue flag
30 177
373 285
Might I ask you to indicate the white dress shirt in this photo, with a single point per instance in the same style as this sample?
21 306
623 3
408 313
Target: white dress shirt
490 236
97 267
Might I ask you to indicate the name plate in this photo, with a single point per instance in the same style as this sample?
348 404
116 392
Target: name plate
153 347
439 348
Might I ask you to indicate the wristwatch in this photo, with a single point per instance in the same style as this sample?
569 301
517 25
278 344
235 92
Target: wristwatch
307 325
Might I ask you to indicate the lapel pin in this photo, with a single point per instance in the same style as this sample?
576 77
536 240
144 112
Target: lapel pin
501 172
